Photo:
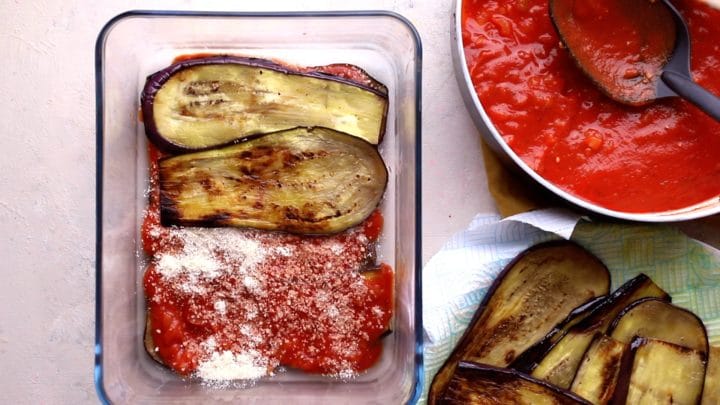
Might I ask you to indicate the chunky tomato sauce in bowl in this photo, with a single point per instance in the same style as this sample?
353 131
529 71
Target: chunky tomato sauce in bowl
539 112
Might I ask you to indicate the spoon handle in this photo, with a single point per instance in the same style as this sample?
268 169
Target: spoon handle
693 92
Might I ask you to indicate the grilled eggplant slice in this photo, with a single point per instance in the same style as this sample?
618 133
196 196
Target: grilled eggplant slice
595 316
657 319
711 391
207 102
308 181
661 373
529 359
560 363
480 384
531 296
597 376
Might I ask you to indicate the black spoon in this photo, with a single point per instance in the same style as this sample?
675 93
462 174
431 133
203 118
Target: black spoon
636 51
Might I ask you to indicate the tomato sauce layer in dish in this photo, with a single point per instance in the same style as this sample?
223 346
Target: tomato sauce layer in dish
235 304
656 158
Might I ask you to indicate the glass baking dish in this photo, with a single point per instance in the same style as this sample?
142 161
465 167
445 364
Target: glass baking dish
137 43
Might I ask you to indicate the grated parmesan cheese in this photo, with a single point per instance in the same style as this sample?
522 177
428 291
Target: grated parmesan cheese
264 293
233 366
220 306
206 254
251 284
171 265
284 251
337 248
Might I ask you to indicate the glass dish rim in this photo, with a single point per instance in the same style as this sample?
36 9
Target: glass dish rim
417 389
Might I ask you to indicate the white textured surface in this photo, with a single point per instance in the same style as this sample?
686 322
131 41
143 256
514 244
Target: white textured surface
47 190
47 187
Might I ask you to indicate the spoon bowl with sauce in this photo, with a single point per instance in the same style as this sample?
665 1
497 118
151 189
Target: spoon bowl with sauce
635 51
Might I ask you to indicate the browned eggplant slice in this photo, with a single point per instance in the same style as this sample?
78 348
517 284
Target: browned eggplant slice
657 319
560 363
660 373
529 359
529 298
308 181
597 376
207 102
711 391
480 384
589 318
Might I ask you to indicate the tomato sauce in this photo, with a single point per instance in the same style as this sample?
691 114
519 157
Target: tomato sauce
655 158
317 304
621 44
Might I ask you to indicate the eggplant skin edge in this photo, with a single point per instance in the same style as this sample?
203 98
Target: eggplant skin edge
155 82
148 341
505 375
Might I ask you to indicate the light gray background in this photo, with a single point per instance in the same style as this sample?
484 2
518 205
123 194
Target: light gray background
47 185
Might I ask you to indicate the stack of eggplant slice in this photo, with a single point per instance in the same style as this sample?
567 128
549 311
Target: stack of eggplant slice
264 145
550 332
